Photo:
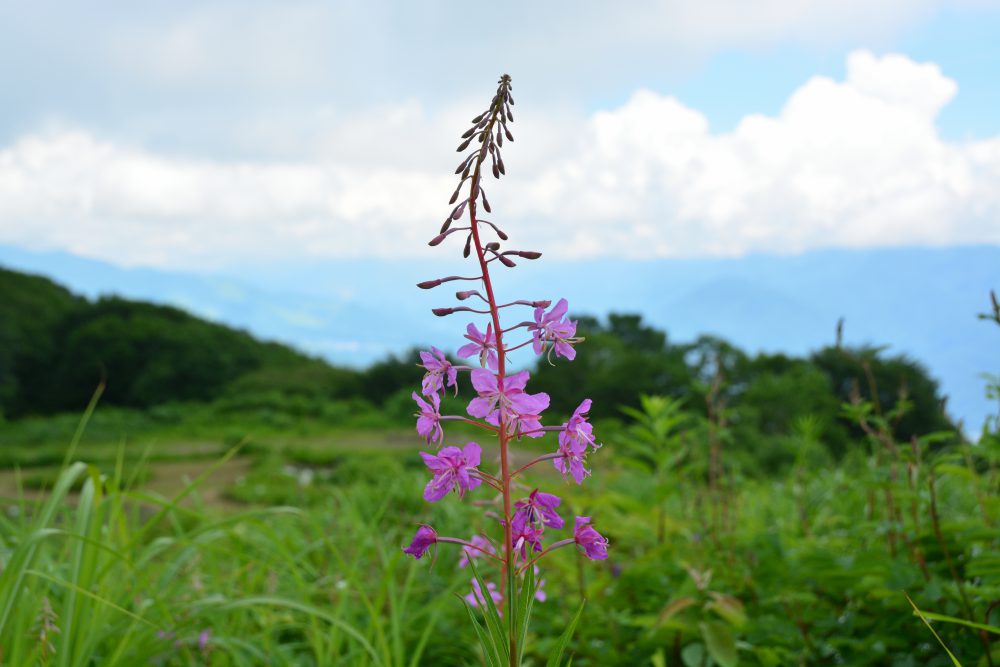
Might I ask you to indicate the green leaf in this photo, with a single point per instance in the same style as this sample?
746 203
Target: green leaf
525 602
556 658
720 643
485 639
923 618
693 655
729 608
492 616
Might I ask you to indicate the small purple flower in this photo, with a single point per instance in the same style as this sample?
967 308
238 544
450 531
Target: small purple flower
475 598
472 554
572 455
578 428
539 585
595 545
541 507
530 424
451 468
551 329
483 344
507 395
525 533
422 541
574 438
203 638
429 419
439 370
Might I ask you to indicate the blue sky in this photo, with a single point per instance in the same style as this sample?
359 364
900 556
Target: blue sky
200 136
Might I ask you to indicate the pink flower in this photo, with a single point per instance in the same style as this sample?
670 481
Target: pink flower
438 370
451 468
572 455
595 545
485 345
550 329
539 585
578 429
507 395
429 419
525 533
577 434
475 598
469 553
541 508
422 541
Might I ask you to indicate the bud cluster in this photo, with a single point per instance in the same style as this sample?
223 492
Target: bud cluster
503 407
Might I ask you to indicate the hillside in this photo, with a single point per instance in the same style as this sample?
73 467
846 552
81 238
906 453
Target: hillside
56 347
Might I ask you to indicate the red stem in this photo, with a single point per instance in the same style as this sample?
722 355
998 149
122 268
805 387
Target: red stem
505 476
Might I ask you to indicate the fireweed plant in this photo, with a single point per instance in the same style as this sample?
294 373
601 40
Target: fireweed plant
505 409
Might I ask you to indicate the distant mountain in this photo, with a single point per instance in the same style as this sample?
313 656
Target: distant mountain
919 301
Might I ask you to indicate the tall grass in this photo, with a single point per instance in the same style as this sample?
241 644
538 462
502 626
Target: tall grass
112 575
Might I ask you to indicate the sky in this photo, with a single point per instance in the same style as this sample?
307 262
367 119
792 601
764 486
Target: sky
198 136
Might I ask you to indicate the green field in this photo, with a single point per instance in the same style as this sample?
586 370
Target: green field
192 544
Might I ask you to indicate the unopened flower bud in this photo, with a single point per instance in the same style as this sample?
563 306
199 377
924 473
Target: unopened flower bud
429 284
529 254
437 239
492 245
506 261
462 296
441 312
544 303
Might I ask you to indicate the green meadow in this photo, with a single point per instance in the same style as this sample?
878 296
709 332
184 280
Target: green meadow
761 509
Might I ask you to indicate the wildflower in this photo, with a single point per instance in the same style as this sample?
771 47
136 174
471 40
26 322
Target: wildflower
574 438
572 455
439 370
541 507
550 328
485 345
422 541
475 598
203 638
525 533
469 553
429 419
578 429
595 545
539 585
529 424
507 395
451 468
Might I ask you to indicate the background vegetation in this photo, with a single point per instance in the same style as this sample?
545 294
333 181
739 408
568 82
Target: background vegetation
244 504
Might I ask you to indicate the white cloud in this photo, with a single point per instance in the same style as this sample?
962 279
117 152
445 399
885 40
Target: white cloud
849 163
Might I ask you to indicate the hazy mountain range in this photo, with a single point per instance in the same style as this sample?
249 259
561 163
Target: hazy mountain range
918 301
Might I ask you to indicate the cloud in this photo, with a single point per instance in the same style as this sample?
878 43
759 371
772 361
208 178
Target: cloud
852 163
